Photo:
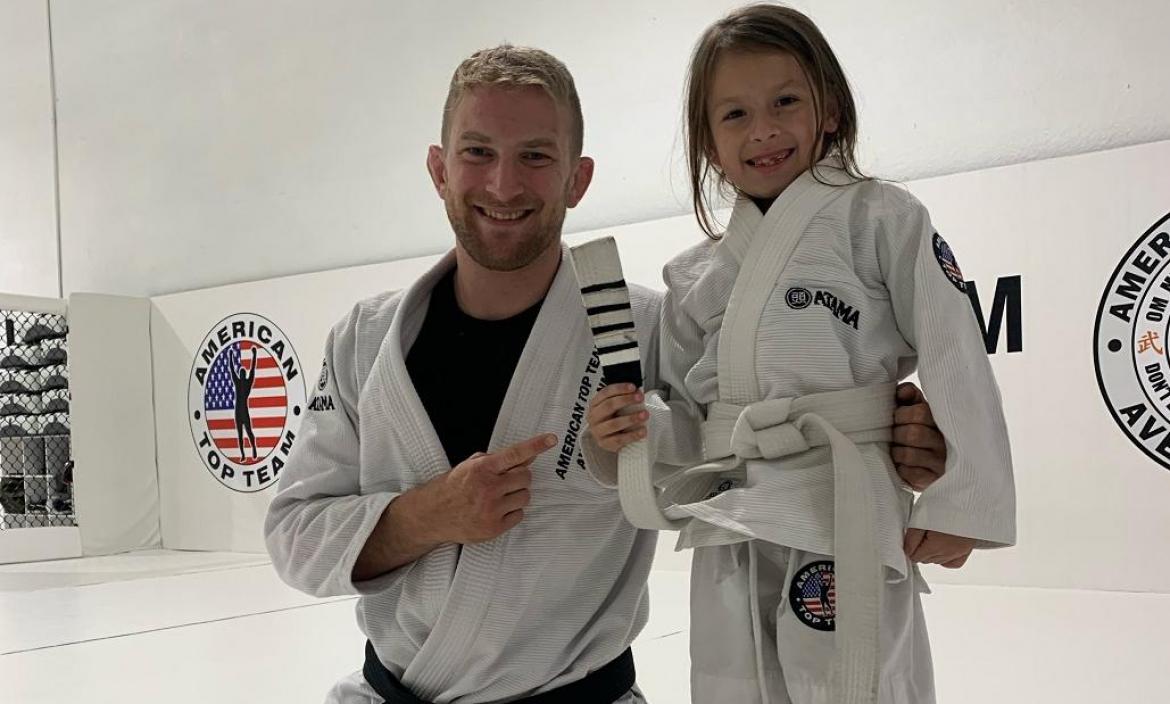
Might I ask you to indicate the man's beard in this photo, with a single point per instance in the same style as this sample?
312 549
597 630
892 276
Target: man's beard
464 221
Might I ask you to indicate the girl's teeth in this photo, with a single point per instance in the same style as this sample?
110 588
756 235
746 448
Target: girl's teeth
771 160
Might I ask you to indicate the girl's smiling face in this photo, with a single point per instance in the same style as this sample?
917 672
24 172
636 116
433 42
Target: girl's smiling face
763 121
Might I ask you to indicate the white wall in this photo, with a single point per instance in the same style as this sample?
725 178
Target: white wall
207 143
28 221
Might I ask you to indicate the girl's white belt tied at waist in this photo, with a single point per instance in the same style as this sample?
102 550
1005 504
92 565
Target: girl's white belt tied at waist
785 427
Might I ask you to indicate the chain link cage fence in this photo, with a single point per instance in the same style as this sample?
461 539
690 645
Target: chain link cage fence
36 461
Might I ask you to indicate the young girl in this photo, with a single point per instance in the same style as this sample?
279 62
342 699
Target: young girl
781 343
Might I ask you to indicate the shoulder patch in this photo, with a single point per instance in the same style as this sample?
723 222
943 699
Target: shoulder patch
946 260
324 378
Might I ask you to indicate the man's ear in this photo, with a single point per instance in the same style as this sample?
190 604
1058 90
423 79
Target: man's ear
437 169
582 177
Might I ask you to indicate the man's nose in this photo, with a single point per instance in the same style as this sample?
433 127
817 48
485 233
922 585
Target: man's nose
504 183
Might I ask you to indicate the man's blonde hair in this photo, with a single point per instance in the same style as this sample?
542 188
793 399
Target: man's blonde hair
513 67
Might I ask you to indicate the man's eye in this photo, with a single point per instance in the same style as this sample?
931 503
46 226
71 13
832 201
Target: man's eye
535 157
477 152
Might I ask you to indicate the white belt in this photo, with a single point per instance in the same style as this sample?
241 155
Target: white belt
781 428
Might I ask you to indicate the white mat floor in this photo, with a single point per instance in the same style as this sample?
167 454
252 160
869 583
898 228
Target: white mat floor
184 628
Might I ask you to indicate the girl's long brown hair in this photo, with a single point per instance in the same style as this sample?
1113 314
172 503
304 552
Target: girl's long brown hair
764 27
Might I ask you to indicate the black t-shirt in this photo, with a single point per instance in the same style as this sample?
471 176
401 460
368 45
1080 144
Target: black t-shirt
461 367
763 203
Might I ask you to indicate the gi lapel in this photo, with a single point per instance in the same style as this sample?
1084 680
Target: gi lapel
858 569
404 412
771 245
561 324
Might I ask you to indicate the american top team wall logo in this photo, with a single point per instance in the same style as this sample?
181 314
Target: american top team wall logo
245 400
1129 343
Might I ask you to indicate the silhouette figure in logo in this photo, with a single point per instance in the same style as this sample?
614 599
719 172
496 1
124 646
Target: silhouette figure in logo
244 380
827 606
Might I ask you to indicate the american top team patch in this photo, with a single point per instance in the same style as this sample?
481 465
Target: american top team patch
946 260
813 595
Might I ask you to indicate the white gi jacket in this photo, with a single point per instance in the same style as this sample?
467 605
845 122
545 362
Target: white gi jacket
869 294
559 595
839 291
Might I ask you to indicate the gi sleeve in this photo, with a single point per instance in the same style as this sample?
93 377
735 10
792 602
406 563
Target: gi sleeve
319 519
675 343
975 498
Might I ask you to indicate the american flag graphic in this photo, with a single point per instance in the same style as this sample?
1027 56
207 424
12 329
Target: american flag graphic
267 402
819 594
949 265
946 259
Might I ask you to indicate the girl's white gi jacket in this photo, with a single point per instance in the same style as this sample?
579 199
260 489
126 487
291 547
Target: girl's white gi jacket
559 595
869 292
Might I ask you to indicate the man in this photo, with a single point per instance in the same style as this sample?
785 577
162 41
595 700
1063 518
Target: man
497 576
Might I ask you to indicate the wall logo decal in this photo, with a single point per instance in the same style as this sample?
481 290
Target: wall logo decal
245 401
1130 343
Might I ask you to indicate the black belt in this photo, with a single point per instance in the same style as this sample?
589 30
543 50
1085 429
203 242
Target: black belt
602 686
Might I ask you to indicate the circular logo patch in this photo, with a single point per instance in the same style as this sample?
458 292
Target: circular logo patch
245 399
798 298
1129 343
722 486
946 260
813 595
324 378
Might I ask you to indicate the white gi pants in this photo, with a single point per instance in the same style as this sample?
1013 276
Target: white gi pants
750 645
355 690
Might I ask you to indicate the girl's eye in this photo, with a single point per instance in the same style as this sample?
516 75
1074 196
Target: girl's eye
733 114
786 100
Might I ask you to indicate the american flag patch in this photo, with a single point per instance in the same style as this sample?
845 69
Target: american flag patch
813 595
946 260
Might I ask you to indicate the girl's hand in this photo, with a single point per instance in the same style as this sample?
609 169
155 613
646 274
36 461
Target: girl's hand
919 450
933 547
616 416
